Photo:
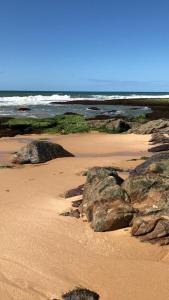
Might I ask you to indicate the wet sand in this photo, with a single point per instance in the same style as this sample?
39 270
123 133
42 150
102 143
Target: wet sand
43 254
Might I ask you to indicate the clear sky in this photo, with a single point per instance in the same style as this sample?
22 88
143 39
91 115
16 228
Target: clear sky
113 45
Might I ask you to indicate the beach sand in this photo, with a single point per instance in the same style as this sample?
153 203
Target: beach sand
43 255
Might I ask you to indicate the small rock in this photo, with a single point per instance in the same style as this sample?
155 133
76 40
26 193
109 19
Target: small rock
80 294
23 109
93 108
72 213
76 203
164 147
74 192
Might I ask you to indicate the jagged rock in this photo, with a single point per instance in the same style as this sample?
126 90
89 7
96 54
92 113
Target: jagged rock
108 217
75 192
111 203
151 127
39 152
148 191
101 184
80 294
164 147
105 202
152 229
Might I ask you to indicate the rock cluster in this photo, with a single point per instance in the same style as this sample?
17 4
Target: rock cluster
140 201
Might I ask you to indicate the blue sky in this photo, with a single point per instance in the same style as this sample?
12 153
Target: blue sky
102 45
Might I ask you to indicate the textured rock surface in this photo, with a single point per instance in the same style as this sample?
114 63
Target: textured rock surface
146 166
108 217
105 203
152 229
159 125
39 152
110 203
81 294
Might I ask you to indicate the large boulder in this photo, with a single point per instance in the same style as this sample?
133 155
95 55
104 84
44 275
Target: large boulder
39 152
105 202
150 127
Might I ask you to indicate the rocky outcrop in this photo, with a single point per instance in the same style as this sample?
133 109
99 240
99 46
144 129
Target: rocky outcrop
39 152
80 294
105 202
150 127
141 201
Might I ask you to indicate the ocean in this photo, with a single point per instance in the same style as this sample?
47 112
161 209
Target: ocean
40 103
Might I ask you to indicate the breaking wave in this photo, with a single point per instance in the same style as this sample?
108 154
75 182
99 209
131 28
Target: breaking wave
48 99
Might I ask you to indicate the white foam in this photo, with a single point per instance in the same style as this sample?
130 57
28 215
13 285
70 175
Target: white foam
46 100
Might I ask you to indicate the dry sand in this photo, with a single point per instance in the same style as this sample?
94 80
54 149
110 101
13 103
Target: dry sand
43 254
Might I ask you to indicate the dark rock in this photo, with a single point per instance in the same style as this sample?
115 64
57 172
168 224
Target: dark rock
99 117
4 132
80 294
160 148
72 213
93 108
69 113
76 203
40 152
75 192
23 109
152 229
